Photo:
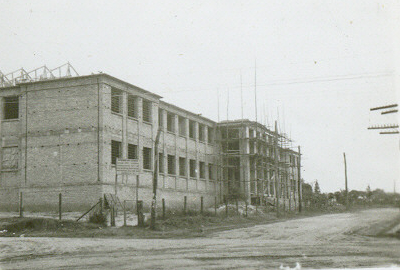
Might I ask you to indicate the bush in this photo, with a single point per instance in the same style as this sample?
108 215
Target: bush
98 218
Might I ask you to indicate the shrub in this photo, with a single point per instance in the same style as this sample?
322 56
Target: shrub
98 218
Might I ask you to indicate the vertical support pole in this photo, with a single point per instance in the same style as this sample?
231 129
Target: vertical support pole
21 205
137 187
299 181
215 205
101 206
125 213
163 208
276 173
137 194
112 213
226 205
237 207
246 207
59 206
201 205
140 213
184 205
345 181
116 180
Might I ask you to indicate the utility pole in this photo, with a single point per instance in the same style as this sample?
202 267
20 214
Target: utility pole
277 189
345 181
299 179
155 180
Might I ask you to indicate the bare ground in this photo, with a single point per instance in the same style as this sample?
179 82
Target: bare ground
351 240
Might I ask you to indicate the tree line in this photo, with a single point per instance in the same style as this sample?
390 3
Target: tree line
313 198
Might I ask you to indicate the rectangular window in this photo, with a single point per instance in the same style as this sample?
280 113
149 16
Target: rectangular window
146 158
171 165
202 168
210 134
251 133
182 125
193 169
133 106
192 129
211 171
11 107
182 166
202 135
132 151
147 111
116 100
160 117
115 151
160 162
171 122
9 158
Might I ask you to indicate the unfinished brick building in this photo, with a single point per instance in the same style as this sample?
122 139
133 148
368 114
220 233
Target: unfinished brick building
64 135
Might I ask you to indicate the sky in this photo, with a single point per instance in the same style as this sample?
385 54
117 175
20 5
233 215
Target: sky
316 67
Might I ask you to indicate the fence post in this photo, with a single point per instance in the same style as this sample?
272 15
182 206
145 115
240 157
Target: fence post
125 213
226 205
59 206
184 205
215 205
101 205
140 213
237 207
163 208
246 208
21 205
201 204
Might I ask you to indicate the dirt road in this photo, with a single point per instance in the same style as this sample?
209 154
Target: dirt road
329 241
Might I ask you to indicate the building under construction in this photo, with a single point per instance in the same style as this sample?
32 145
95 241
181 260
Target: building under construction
258 164
63 133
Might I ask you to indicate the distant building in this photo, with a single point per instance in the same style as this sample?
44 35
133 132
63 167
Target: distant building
64 135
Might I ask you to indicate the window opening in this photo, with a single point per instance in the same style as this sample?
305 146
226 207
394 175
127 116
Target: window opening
182 166
11 107
146 158
115 151
171 164
132 151
146 110
193 169
116 100
182 125
171 122
202 167
192 129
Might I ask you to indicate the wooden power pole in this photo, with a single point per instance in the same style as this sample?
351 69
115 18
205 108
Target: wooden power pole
299 179
277 187
345 180
155 182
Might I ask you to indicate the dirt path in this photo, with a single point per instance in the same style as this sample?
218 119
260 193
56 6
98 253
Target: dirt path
329 241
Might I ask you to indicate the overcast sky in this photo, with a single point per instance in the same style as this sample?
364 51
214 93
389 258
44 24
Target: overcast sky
320 66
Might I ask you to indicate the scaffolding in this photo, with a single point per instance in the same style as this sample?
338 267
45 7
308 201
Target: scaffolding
39 74
257 164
